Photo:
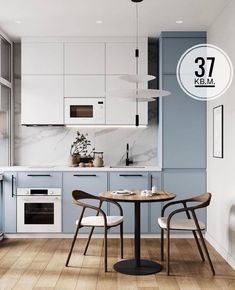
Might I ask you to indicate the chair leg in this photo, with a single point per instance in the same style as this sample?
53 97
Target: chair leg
72 246
162 245
89 239
206 251
198 245
121 237
105 250
168 253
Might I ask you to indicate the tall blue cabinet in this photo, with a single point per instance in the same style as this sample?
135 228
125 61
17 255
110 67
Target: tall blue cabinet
182 122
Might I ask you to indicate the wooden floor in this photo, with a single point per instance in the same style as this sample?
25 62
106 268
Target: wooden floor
39 264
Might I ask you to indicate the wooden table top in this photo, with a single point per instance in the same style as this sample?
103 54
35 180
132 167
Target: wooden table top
157 197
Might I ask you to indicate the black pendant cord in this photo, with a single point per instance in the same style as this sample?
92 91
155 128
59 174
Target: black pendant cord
137 64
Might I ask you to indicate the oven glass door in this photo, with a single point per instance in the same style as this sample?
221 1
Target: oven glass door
38 214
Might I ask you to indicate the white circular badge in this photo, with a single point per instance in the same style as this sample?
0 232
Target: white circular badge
204 72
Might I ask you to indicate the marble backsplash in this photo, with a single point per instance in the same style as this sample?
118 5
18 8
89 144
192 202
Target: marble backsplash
41 146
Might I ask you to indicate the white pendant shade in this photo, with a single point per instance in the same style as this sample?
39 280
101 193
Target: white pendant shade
137 78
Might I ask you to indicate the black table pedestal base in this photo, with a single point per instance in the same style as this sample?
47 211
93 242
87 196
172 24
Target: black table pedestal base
129 267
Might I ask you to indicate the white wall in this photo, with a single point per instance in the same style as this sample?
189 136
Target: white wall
221 172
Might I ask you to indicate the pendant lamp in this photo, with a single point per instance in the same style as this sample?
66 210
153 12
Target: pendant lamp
139 95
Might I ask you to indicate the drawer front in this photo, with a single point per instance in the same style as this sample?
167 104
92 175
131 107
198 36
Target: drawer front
39 179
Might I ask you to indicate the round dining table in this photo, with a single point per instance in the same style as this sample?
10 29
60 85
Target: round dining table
137 266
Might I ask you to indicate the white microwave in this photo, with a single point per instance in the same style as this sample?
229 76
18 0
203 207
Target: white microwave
85 111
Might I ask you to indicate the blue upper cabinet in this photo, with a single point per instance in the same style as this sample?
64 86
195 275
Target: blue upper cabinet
174 44
183 118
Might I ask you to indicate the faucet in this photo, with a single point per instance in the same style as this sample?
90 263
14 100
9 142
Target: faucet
128 161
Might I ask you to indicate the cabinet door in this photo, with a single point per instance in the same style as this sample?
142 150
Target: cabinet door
155 179
84 58
84 86
120 58
42 58
130 180
93 183
173 48
42 100
184 128
9 202
120 111
186 184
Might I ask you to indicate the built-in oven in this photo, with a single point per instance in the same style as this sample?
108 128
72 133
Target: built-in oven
38 210
84 111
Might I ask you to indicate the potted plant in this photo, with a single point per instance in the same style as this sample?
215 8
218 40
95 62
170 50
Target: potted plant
79 151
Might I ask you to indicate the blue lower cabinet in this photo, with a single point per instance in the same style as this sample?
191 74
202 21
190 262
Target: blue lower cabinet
186 183
9 202
155 207
130 180
91 182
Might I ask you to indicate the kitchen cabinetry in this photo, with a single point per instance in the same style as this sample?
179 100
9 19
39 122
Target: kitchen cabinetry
186 184
120 58
40 179
155 179
42 59
42 100
9 202
84 58
120 111
54 69
84 86
130 180
184 127
91 182
183 123
183 118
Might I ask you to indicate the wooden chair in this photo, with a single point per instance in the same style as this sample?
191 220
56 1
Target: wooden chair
191 223
103 220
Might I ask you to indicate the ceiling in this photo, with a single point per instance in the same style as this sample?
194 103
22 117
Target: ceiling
78 17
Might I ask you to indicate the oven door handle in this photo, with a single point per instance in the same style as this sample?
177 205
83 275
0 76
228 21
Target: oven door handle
47 199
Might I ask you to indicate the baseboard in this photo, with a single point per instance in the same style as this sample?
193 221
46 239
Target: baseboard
97 236
221 250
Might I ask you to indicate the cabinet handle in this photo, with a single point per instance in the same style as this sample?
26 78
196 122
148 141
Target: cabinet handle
13 179
131 175
39 175
84 175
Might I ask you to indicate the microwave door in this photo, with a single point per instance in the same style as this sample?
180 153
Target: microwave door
84 111
81 111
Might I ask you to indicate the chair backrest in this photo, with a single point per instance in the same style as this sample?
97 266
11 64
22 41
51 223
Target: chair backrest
78 195
202 199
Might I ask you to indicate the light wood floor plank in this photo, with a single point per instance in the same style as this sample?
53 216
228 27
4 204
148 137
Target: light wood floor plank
40 264
10 278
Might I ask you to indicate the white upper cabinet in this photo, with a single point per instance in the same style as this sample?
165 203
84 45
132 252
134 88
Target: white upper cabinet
84 58
42 58
120 111
42 100
120 58
84 86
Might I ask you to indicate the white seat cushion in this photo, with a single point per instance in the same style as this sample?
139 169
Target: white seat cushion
180 224
98 221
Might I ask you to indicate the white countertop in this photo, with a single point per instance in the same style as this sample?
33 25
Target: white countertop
67 168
